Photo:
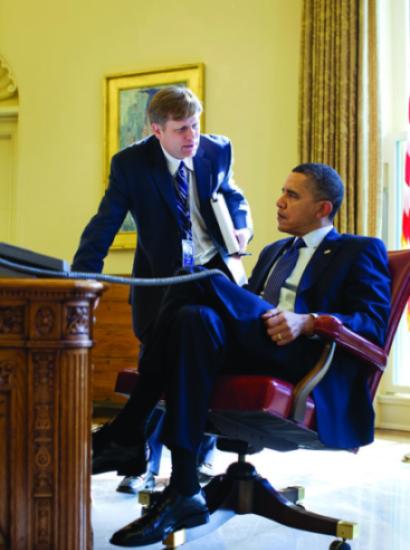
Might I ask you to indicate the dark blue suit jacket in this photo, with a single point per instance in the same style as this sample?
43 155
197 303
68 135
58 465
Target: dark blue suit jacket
140 183
347 277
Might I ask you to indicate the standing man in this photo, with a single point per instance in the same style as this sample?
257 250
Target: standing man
213 326
166 182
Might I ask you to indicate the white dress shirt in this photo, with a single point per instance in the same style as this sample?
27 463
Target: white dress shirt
288 291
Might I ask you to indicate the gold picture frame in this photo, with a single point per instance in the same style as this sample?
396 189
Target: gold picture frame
126 97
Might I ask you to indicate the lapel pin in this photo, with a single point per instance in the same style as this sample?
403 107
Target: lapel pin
327 251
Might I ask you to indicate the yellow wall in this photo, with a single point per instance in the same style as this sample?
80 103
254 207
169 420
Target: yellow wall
59 53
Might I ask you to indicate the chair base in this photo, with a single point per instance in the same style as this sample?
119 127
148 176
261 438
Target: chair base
241 490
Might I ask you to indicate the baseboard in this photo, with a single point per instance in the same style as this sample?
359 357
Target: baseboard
393 412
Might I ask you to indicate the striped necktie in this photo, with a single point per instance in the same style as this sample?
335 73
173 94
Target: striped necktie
282 271
182 197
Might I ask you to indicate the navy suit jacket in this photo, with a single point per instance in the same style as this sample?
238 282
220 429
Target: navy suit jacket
140 183
347 277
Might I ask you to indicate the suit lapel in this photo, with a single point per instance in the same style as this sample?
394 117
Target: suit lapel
203 176
162 178
262 271
319 261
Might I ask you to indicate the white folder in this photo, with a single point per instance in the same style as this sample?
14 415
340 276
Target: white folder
226 226
224 220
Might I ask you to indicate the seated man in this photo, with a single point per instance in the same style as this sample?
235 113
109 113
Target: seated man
213 326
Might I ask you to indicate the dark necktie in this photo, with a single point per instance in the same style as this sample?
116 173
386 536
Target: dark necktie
182 196
282 270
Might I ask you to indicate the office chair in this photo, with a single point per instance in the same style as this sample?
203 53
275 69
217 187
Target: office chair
251 412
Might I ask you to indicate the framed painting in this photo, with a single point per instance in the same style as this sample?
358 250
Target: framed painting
126 98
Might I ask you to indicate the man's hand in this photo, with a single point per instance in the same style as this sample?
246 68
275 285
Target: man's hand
242 236
285 326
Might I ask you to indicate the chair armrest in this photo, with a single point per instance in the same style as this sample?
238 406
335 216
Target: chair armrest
331 328
304 387
335 333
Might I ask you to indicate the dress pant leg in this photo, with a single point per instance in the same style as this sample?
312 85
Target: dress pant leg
200 325
196 352
232 303
240 312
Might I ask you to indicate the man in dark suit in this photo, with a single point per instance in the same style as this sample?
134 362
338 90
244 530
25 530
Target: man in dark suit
212 325
175 228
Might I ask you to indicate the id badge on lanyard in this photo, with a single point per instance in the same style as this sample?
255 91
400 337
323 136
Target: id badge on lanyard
187 253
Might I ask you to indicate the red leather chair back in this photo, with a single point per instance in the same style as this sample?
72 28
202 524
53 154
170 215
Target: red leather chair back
399 265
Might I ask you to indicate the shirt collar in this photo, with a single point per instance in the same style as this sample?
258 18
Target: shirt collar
173 163
315 237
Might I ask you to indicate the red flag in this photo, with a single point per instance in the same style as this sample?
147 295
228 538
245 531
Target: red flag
406 201
405 234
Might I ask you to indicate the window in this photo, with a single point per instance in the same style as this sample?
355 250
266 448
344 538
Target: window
395 89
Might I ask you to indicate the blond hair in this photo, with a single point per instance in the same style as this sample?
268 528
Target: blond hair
173 102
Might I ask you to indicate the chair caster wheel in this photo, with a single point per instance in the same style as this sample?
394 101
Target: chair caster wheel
339 545
175 539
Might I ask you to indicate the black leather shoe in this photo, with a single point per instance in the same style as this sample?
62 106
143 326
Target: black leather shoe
108 455
171 512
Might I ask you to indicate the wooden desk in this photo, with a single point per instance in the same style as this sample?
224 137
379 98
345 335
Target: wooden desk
45 413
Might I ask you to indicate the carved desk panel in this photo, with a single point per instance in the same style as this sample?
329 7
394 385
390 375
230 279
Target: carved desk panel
45 413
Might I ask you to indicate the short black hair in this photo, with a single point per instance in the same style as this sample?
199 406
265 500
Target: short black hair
327 183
